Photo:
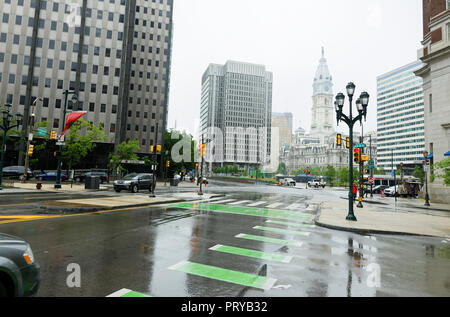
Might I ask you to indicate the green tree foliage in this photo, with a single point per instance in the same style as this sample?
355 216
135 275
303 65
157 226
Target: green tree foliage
170 145
78 144
125 151
419 173
442 170
281 168
330 172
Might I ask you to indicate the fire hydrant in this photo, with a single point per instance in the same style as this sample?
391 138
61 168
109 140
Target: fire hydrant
38 185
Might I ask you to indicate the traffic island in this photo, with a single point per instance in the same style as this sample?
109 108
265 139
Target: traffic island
110 203
373 219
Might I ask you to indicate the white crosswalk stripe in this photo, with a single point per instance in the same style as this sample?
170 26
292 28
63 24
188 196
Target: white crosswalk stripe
257 204
294 206
274 205
224 201
240 202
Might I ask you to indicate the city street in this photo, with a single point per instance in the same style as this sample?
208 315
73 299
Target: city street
256 241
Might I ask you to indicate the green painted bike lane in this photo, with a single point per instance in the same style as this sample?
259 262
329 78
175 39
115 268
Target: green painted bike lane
249 211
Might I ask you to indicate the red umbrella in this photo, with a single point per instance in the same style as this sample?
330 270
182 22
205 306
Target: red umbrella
71 118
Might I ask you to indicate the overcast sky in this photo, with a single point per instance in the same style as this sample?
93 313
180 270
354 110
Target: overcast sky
362 39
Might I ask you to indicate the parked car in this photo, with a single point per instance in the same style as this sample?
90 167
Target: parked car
103 176
317 183
19 272
16 172
376 189
134 182
391 191
288 181
51 176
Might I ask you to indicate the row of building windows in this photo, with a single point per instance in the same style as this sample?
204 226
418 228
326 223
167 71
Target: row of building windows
409 136
401 90
380 114
401 120
382 88
419 93
400 115
391 130
398 154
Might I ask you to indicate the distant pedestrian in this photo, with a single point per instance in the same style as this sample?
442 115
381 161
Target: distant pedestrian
355 191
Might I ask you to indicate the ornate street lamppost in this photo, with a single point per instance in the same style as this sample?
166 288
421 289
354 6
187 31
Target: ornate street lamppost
6 126
425 163
74 100
350 121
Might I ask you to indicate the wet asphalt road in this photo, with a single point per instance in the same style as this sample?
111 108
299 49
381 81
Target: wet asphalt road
135 249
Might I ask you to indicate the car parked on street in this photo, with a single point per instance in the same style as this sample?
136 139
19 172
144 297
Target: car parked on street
50 176
19 272
288 181
391 191
16 172
102 175
317 183
134 182
376 189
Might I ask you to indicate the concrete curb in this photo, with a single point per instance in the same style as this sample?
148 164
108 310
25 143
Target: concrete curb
363 231
101 208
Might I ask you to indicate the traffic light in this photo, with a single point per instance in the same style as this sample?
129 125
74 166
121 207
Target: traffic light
167 163
158 148
52 135
203 150
30 149
196 166
338 139
347 143
356 155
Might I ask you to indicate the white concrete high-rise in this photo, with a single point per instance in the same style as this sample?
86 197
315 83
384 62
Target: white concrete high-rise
400 117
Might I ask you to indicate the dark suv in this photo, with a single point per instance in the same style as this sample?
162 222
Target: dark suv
19 272
134 182
16 172
102 175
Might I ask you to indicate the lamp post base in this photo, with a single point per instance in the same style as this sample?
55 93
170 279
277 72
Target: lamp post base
152 195
351 217
57 186
427 200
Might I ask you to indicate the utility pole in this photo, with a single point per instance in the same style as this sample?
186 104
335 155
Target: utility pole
371 170
29 129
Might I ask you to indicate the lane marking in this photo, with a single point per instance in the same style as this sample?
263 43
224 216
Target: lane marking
225 275
278 230
251 253
124 292
295 206
274 205
249 211
291 224
257 204
269 240
224 201
239 202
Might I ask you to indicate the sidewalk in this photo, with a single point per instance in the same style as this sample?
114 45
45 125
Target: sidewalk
378 219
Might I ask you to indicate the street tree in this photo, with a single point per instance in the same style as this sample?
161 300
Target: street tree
418 173
80 141
442 170
126 151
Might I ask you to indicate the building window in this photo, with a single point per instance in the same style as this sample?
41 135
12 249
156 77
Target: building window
431 103
55 123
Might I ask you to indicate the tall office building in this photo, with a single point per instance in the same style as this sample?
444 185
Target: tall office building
237 101
435 72
283 122
114 54
400 118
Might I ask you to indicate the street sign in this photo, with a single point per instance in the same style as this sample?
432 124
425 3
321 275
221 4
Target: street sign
371 180
371 166
42 131
359 145
364 158
30 137
60 143
371 162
